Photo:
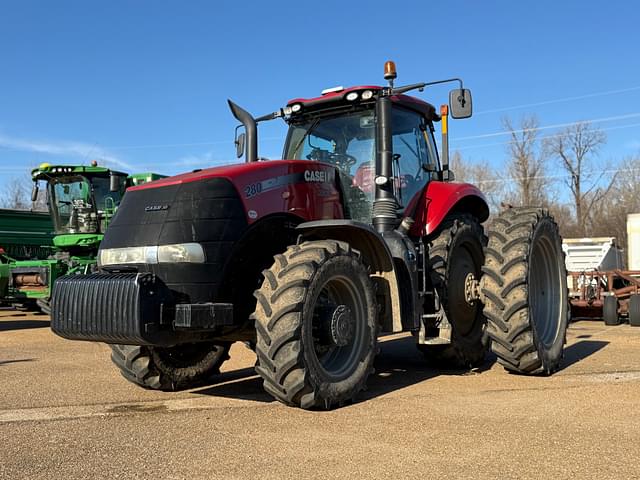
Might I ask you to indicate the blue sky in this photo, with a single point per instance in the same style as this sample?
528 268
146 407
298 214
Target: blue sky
143 85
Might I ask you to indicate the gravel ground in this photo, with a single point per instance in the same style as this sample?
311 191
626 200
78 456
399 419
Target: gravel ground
65 412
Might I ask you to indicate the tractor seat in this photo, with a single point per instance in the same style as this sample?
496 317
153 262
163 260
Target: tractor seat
363 178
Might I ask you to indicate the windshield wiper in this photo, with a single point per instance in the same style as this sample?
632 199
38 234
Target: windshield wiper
305 136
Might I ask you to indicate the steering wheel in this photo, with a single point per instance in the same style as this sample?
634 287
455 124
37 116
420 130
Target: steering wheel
343 160
318 155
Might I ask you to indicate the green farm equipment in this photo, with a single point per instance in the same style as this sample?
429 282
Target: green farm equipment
24 235
82 200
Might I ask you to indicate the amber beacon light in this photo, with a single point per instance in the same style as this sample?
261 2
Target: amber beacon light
390 70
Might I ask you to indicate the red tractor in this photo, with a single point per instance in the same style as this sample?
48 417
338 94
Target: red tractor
359 231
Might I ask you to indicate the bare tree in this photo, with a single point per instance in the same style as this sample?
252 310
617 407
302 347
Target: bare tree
17 195
576 146
609 215
526 164
563 215
480 174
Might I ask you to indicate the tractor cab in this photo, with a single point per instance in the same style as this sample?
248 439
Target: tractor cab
81 199
339 128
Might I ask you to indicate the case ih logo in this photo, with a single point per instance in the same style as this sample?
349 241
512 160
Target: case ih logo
155 208
318 176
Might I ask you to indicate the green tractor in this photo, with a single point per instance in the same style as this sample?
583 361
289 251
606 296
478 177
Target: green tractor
81 200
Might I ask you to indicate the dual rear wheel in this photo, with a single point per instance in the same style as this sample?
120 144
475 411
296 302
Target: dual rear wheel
525 291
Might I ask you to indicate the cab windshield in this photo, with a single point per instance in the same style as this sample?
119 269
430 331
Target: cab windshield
346 141
78 204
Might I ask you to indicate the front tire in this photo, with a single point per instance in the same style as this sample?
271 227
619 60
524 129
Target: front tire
525 290
172 368
316 325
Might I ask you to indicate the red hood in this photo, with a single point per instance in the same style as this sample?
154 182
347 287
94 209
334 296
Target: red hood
231 171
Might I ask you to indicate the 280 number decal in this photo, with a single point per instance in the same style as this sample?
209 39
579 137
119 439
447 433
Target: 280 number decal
252 190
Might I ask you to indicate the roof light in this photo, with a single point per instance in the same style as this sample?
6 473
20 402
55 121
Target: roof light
390 70
332 90
367 94
351 96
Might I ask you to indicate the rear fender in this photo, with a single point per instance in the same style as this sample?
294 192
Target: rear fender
443 198
377 256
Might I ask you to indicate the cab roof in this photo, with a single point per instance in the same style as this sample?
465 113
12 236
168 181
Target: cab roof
46 170
337 97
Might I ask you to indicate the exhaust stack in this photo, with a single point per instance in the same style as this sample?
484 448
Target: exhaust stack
251 130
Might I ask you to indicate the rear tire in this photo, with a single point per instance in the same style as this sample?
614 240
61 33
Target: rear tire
169 369
610 310
525 290
316 325
455 251
634 310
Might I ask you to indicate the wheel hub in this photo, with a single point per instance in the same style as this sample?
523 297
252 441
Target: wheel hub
471 289
342 326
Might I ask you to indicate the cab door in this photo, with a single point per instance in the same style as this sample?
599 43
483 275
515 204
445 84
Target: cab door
412 154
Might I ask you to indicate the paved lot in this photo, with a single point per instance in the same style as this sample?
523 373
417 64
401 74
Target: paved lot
66 413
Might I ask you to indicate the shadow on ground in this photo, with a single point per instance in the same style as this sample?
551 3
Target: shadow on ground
243 384
398 365
6 325
581 350
401 365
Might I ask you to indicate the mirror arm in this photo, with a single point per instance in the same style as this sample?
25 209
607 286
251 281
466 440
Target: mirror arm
421 86
270 116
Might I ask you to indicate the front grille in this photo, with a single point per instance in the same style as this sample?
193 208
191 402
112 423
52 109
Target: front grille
112 308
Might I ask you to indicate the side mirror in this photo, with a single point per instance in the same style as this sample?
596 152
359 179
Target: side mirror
114 182
239 141
460 103
34 192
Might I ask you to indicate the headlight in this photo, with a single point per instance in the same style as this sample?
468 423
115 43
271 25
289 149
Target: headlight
367 94
180 253
121 256
176 253
351 96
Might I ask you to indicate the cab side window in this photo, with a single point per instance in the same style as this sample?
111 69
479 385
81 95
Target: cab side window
410 153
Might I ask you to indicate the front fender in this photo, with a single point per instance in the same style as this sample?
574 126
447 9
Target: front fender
443 198
379 258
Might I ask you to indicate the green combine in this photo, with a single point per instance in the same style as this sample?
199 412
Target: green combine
82 200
